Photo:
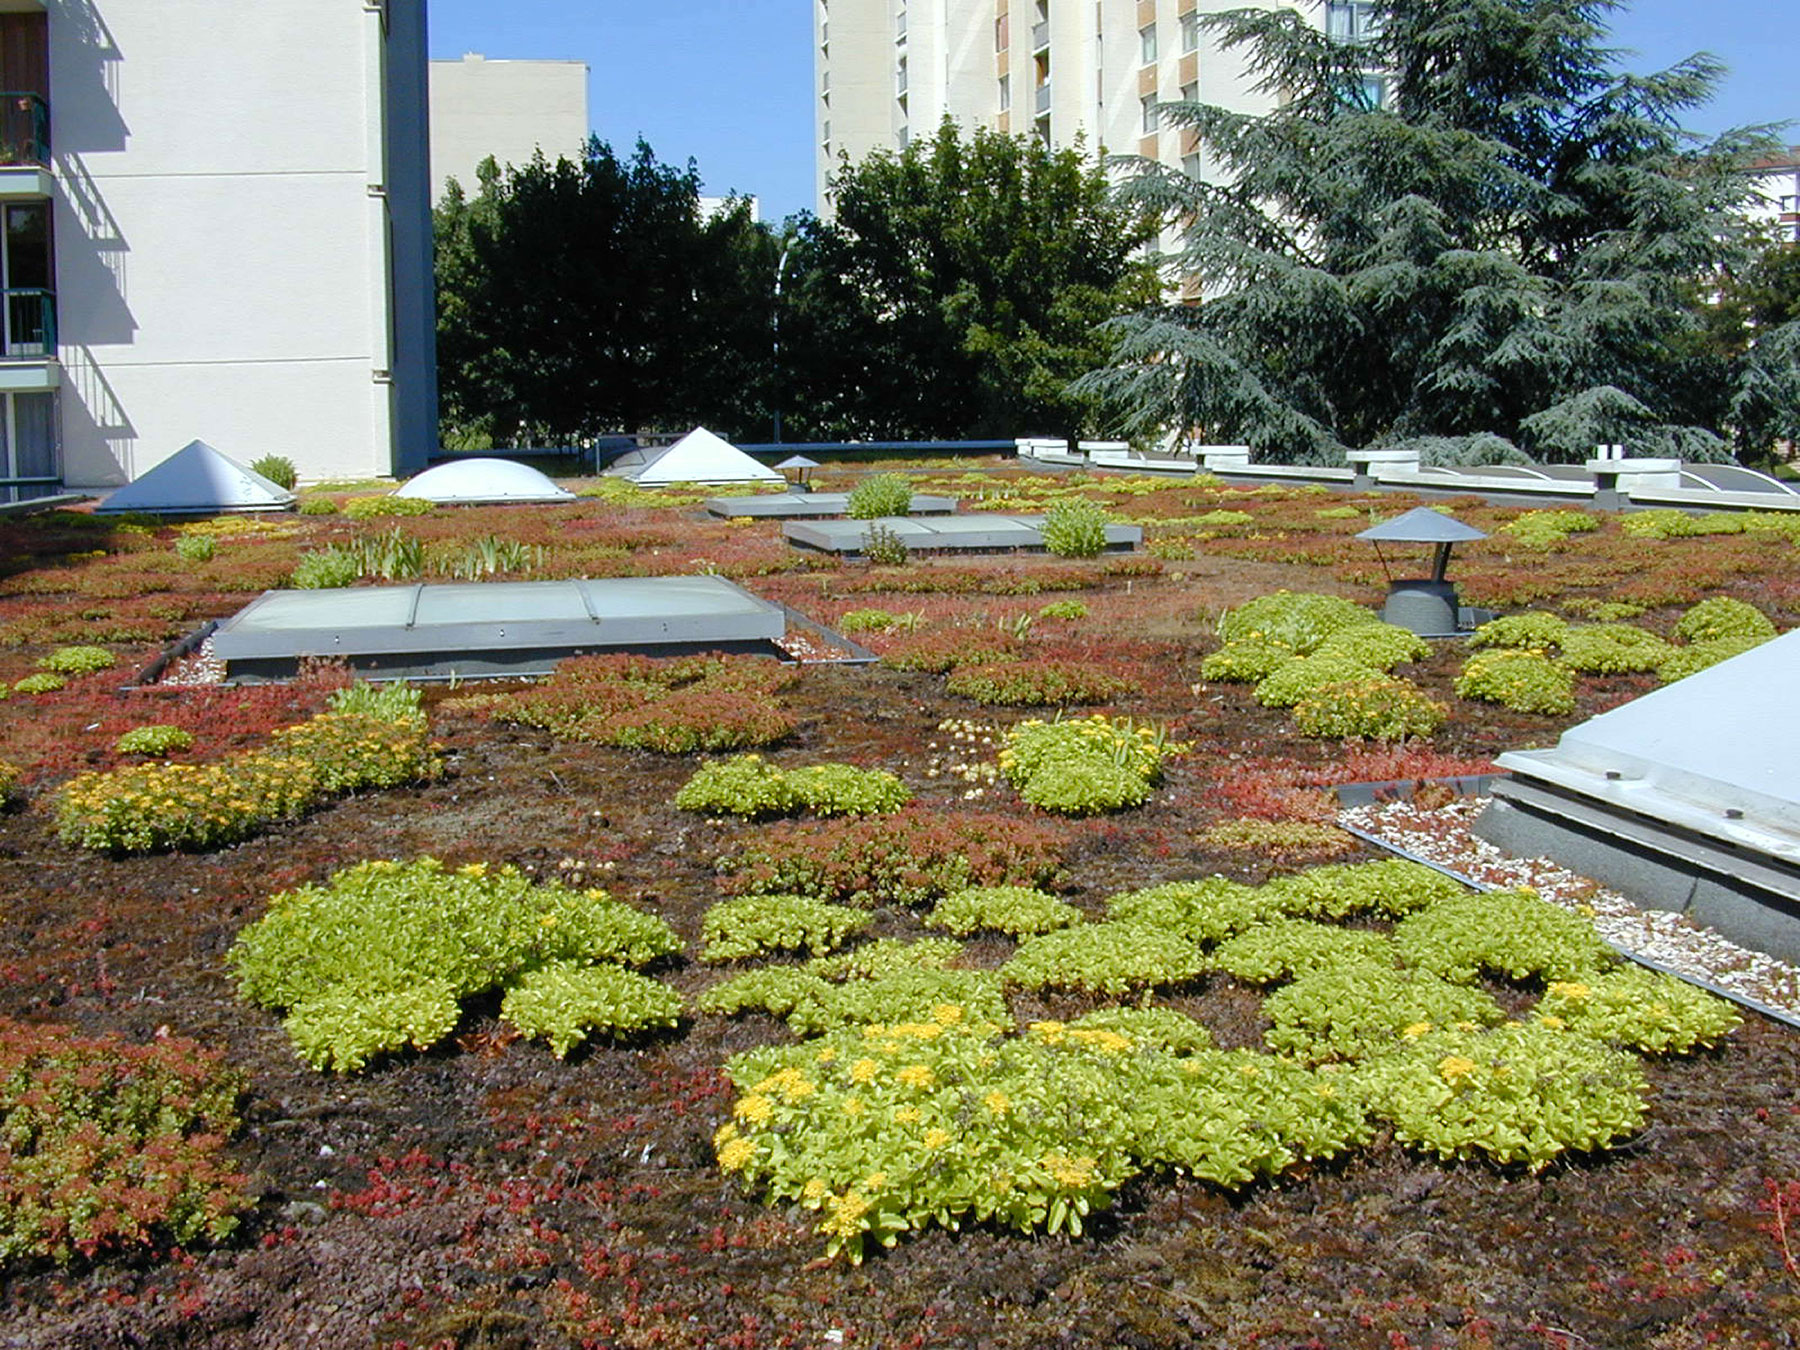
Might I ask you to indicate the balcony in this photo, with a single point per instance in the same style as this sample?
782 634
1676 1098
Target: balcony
27 339
1041 99
24 129
24 146
1040 35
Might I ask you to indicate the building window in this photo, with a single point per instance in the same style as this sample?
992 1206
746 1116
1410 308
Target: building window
25 277
1147 44
825 134
900 79
1190 32
1006 93
1152 117
1190 165
900 26
1352 20
1190 93
30 457
903 136
1001 34
1374 91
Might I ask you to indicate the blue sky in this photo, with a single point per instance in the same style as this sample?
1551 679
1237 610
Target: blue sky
728 83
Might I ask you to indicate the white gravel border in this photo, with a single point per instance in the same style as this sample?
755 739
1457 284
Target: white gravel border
1657 937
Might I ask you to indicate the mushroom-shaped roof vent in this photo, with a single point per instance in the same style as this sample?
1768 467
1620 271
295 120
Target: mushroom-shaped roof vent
1422 525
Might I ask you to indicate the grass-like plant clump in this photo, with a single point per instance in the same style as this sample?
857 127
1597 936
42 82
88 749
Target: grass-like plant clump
875 621
111 1146
884 546
278 469
382 955
1075 529
886 494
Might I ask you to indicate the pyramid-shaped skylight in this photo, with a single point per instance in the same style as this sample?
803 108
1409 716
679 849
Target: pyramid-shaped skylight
198 480
698 457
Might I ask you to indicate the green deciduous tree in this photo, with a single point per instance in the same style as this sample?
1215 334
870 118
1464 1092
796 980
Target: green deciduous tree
959 289
579 297
1494 251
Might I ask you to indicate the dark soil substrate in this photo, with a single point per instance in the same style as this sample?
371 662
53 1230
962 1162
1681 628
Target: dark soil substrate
485 1194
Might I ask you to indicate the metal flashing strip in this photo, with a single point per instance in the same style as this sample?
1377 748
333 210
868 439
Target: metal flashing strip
1743 1001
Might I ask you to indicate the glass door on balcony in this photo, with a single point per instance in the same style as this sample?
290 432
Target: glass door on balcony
29 331
24 89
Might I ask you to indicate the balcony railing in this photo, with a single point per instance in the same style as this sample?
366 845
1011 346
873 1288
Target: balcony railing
28 325
1040 35
1041 99
24 129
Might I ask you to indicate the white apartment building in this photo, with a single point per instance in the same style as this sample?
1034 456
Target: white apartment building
1777 204
216 227
507 109
891 69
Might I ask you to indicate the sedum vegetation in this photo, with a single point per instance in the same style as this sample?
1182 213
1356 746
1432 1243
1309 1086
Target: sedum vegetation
748 785
381 956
